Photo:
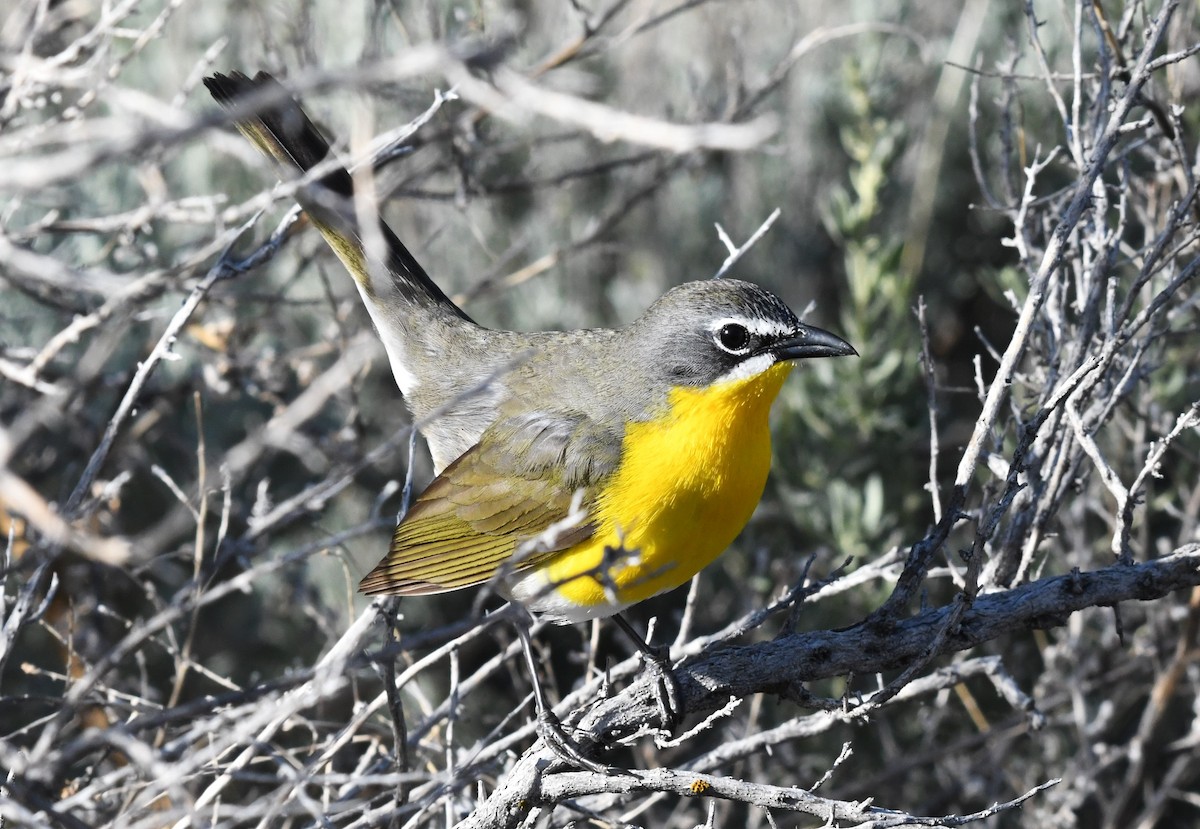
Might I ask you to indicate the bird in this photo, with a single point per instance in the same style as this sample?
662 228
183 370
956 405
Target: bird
576 472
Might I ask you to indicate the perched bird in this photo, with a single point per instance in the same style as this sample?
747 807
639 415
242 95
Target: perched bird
579 472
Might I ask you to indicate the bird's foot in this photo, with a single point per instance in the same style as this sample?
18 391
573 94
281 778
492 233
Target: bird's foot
666 688
551 730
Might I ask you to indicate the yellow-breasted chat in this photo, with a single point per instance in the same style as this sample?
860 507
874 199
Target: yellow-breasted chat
581 471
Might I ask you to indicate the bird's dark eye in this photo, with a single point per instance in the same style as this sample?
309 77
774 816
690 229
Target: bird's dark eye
733 337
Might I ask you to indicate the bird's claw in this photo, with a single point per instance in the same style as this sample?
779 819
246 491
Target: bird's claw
666 688
550 729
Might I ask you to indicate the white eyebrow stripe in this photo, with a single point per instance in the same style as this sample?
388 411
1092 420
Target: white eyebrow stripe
756 325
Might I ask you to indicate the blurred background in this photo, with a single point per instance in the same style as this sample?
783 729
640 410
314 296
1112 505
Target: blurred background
273 433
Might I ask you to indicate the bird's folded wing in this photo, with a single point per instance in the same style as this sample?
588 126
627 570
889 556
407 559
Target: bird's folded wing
516 485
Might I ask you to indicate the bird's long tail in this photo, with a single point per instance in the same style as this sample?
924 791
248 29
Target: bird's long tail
282 130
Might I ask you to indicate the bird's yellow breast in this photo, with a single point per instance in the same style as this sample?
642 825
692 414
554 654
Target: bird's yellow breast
688 482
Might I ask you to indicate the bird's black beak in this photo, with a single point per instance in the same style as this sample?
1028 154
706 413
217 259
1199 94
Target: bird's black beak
809 341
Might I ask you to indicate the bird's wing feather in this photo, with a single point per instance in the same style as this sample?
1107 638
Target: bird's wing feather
518 481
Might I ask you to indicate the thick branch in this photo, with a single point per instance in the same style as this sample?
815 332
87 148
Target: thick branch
775 667
778 667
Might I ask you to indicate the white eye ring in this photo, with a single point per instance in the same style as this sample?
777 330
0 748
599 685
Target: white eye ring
733 337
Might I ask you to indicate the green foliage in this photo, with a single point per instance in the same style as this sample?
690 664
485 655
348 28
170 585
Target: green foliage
225 674
847 420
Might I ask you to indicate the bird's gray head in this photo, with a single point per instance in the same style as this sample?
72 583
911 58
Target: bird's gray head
701 333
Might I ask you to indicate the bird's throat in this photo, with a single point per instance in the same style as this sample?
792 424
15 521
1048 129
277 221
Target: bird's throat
688 482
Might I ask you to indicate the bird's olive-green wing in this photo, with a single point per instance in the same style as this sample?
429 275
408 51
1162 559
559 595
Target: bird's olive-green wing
511 487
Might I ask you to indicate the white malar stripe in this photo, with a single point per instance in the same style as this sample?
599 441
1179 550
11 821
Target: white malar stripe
750 367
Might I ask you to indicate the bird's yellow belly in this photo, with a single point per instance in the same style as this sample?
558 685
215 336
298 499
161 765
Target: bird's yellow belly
687 484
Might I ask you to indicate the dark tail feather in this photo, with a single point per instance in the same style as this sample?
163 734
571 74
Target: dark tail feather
275 123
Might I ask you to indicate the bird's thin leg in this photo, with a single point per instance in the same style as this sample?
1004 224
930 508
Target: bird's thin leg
666 687
549 727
